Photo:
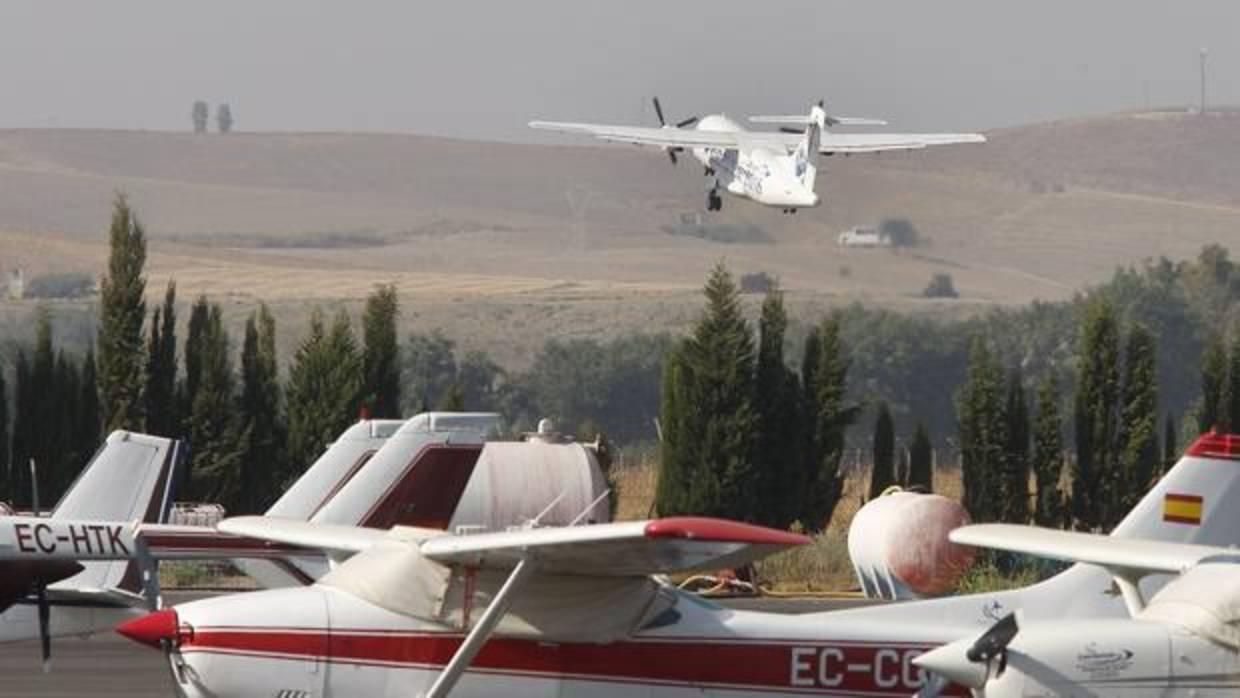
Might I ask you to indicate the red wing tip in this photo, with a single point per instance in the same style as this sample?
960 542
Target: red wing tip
1215 445
721 531
151 628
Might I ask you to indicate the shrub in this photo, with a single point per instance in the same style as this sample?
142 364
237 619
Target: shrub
64 285
940 286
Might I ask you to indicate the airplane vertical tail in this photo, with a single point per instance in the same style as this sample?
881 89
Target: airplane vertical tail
133 477
805 158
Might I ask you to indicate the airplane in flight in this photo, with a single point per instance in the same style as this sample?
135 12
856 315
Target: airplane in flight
773 168
584 611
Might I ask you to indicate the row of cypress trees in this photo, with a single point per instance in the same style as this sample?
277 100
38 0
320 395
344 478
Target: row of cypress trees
743 435
249 432
1114 418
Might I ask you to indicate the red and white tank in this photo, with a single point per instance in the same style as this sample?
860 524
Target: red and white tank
899 548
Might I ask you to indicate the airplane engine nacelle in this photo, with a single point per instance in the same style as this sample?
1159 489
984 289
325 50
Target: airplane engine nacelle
899 548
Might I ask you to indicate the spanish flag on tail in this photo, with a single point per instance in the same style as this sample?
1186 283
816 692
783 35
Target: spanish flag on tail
1183 508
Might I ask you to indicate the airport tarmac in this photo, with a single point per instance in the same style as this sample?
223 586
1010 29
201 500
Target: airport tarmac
108 665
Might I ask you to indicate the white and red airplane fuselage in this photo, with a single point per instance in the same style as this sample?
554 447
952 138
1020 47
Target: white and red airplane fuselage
320 641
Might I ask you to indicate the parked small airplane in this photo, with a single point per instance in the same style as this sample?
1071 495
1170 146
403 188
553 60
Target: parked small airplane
431 471
1185 641
773 168
580 611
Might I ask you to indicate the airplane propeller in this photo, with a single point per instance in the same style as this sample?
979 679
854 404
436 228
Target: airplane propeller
972 665
658 111
40 588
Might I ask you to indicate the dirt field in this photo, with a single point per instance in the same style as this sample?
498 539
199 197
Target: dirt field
503 245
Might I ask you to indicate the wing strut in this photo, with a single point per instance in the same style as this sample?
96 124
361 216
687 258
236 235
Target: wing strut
482 631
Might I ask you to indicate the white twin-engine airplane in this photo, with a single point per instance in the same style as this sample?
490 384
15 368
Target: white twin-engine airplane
773 168
581 611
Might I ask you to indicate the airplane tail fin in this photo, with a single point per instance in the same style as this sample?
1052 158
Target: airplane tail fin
133 477
805 157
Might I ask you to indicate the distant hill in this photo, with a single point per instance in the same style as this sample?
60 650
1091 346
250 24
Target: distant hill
534 239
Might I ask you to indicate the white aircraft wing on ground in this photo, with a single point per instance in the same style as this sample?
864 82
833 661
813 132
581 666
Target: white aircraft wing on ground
1114 553
631 548
672 137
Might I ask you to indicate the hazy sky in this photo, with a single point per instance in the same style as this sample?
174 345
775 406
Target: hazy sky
482 69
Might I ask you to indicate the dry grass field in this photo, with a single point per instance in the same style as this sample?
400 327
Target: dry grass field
502 245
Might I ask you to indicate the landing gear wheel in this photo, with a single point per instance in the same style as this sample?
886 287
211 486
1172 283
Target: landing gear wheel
714 202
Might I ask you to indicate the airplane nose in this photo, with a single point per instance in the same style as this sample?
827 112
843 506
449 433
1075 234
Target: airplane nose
152 628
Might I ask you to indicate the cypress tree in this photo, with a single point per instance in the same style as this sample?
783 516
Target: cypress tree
1048 456
5 465
1170 444
712 445
381 360
1213 376
65 456
883 474
23 420
162 413
323 387
921 460
776 398
214 440
1229 399
195 335
122 310
828 416
1096 418
979 410
262 469
1015 485
1138 435
89 412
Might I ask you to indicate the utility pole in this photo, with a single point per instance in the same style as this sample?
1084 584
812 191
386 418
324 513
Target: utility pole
1203 81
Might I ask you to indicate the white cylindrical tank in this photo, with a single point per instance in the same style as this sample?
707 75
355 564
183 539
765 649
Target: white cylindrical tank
899 548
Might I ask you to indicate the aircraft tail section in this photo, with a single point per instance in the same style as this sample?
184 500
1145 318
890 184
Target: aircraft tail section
133 477
805 158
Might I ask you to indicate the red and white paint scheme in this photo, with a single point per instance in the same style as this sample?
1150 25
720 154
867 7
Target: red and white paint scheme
580 611
773 168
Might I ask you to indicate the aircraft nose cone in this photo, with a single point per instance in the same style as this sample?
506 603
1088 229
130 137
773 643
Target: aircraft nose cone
151 628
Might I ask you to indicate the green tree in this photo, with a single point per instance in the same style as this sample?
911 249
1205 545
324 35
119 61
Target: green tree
1229 397
195 336
24 419
883 474
921 460
776 400
708 440
828 415
200 113
89 412
6 486
453 400
1048 449
982 432
429 370
263 469
323 385
224 118
1138 424
381 360
162 411
214 437
122 310
1096 414
1170 444
1213 378
1015 485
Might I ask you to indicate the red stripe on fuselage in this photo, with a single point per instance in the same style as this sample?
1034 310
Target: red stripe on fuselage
812 666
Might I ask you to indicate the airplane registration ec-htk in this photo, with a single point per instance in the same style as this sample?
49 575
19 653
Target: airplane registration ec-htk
773 168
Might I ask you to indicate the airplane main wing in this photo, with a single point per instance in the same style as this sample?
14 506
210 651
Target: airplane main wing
879 142
631 548
1111 552
672 137
678 544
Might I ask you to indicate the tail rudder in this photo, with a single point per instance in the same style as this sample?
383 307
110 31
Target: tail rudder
805 157
132 477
